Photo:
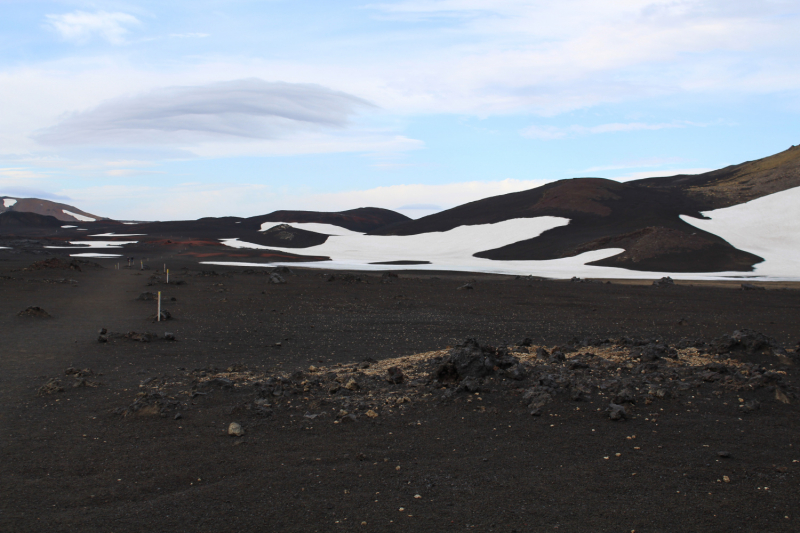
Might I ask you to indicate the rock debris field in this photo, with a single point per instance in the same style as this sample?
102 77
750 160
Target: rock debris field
301 400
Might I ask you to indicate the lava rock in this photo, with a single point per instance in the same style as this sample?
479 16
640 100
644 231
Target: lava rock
744 340
35 312
275 279
617 412
394 375
664 282
51 387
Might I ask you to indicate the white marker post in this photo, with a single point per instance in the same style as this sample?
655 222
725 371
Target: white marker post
159 307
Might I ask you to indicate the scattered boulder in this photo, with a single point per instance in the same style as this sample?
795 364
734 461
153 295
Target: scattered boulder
469 384
616 412
52 386
169 336
664 282
470 359
282 270
34 312
275 279
78 373
394 375
352 385
782 396
751 287
466 287
744 340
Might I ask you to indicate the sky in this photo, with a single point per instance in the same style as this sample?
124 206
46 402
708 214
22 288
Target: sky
145 110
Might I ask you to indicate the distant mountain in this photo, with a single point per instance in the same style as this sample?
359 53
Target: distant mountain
63 212
640 216
11 220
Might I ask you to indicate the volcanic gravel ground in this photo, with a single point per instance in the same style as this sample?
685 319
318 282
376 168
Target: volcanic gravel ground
137 437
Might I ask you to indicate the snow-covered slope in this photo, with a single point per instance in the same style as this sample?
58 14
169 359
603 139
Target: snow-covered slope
768 227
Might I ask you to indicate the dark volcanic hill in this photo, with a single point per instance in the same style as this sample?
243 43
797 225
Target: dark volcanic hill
363 219
11 221
640 216
47 208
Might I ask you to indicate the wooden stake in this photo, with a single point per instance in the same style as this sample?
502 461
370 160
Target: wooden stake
159 306
167 276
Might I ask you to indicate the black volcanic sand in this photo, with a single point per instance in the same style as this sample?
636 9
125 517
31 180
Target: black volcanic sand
101 457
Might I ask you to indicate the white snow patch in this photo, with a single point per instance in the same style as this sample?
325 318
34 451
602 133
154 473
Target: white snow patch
78 217
117 234
453 248
96 256
768 227
94 244
69 226
4 248
130 223
325 229
8 202
82 229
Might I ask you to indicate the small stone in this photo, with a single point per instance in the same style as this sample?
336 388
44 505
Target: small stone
781 396
52 386
726 479
169 336
177 416
617 412
724 454
371 414
235 430
417 496
352 385
466 287
394 375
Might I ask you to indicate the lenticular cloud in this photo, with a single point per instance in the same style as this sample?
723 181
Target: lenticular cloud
249 109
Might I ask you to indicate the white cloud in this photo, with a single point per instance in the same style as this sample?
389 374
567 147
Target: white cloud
21 173
81 26
240 117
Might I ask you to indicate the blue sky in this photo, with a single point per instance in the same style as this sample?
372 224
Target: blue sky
167 110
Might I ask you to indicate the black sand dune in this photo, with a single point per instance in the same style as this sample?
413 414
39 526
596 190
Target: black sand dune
130 433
